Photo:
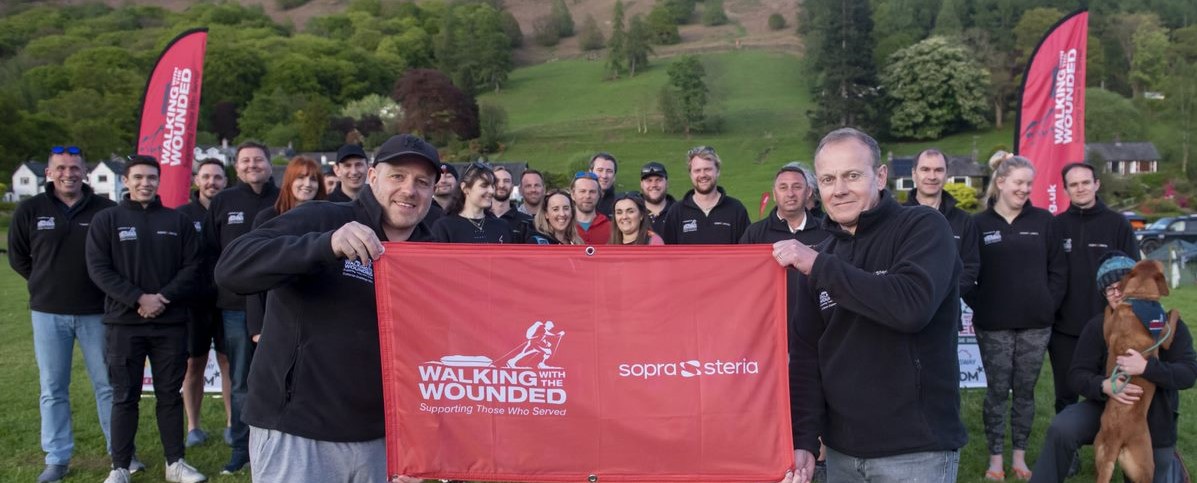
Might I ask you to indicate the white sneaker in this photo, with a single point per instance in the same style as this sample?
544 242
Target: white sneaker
119 475
135 465
181 472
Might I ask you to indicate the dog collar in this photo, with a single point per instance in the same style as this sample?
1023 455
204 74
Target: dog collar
1151 315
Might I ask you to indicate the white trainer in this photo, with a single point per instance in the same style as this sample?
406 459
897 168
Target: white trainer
119 475
181 472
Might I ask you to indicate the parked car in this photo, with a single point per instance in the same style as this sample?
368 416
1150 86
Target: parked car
1165 230
1137 221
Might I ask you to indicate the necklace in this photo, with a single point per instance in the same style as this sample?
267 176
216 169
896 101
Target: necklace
477 223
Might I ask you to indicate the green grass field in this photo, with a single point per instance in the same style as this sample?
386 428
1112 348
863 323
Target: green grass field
21 458
561 113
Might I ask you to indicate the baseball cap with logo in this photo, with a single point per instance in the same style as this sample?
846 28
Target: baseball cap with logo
653 168
406 146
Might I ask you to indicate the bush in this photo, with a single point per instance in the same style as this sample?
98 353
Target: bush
777 22
545 31
966 196
492 124
511 27
591 38
661 29
713 14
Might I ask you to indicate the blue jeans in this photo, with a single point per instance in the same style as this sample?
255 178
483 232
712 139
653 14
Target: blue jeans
240 352
926 467
54 337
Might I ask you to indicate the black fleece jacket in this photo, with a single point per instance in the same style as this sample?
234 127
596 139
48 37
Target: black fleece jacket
46 247
1087 234
1173 370
873 365
658 221
1023 272
686 224
968 241
206 288
133 250
317 371
230 215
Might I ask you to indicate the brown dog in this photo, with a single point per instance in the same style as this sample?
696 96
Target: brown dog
1124 435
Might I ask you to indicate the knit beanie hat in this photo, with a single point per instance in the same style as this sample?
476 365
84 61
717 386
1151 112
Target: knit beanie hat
1114 266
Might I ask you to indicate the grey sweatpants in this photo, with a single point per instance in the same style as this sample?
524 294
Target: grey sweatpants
276 456
1012 360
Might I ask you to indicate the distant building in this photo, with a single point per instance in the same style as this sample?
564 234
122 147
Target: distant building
105 179
1124 158
961 169
28 180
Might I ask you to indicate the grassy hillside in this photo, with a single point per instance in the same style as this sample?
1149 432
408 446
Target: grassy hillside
560 113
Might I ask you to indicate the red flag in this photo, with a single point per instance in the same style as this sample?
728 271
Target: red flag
525 363
1051 119
170 110
764 204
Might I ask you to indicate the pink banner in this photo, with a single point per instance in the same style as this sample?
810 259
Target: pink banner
1051 117
169 112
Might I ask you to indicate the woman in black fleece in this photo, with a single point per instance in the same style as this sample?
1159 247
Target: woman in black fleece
1021 282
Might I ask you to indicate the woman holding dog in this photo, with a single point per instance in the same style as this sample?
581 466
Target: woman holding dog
1021 282
1174 369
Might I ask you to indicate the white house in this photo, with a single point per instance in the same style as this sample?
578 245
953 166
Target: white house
28 180
217 152
105 179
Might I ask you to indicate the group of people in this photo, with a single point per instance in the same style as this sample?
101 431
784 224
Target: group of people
262 272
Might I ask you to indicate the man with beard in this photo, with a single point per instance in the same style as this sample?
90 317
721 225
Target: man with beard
503 209
330 179
350 169
442 193
605 166
930 172
706 215
206 327
593 227
654 187
532 189
230 215
313 420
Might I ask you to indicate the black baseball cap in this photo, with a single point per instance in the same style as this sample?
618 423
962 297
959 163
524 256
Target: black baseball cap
653 168
446 168
351 151
405 146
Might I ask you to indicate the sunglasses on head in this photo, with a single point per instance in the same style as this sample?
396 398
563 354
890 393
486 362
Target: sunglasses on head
478 166
72 150
585 174
700 150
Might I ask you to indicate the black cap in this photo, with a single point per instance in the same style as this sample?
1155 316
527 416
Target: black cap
406 145
446 168
351 151
653 168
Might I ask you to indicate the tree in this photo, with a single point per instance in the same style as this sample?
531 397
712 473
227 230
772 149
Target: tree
842 55
1109 117
1123 28
1004 71
434 108
562 19
638 46
492 124
1182 104
1031 28
591 38
661 27
950 19
545 32
680 11
1151 48
686 80
616 47
472 47
776 22
1184 44
511 27
713 14
934 87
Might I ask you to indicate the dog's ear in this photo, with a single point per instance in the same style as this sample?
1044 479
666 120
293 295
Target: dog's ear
1160 282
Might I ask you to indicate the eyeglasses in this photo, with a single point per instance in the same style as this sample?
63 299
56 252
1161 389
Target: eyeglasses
1113 289
585 174
699 150
72 150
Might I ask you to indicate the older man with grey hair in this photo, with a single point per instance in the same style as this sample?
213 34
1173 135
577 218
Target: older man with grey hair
878 324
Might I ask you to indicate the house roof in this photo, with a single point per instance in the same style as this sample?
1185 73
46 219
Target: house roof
1141 151
117 166
902 167
38 167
